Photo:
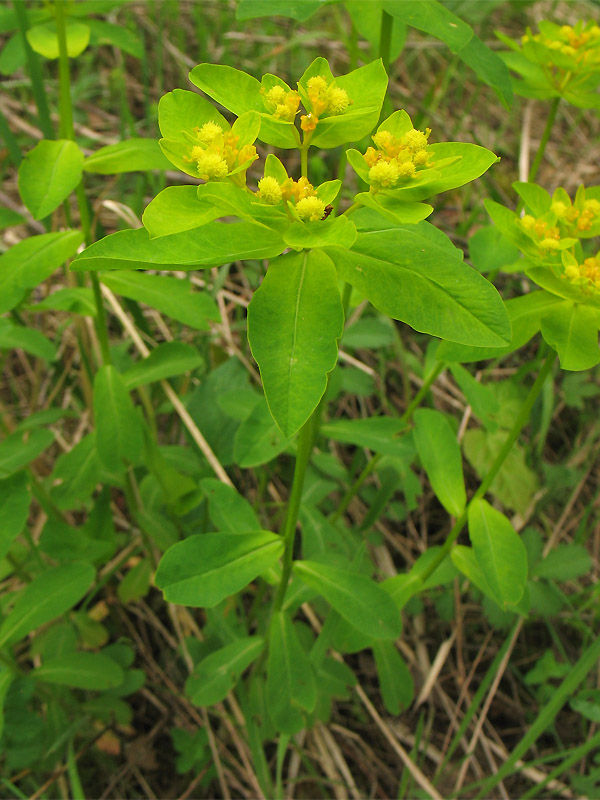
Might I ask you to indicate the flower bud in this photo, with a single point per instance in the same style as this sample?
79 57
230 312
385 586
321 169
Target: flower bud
269 191
310 208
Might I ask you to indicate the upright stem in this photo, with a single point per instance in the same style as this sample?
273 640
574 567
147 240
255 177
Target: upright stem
385 38
304 446
67 131
304 160
519 424
544 140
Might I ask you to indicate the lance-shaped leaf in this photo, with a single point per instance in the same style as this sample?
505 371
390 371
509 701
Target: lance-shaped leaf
294 321
202 570
440 453
131 155
171 296
213 244
48 174
118 431
217 674
291 685
500 552
14 509
92 671
165 361
48 596
358 599
572 330
31 261
414 276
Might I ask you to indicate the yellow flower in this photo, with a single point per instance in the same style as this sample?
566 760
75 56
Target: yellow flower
211 165
310 208
209 132
337 100
269 191
384 174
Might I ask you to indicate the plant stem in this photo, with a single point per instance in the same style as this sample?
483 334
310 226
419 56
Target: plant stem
306 438
385 38
519 424
374 461
544 140
68 132
304 160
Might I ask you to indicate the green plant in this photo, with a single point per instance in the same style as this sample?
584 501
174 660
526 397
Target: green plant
288 583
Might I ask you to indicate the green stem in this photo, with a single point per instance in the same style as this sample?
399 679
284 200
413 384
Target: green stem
385 38
35 71
304 160
519 424
544 140
304 446
68 132
351 209
374 461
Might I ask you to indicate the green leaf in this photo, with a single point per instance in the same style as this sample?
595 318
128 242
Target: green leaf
217 674
524 313
177 209
118 432
489 67
440 454
572 330
366 18
294 321
213 244
165 361
411 276
300 10
489 250
228 509
377 433
9 217
515 484
76 300
44 39
360 601
432 17
48 174
14 509
92 671
21 447
392 209
48 596
291 686
468 162
480 397
564 563
258 439
537 199
130 155
116 35
202 570
171 296
77 473
499 551
29 339
180 111
6 678
31 261
338 231
395 681
136 582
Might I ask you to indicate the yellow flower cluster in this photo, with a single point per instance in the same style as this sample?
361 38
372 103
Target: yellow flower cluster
324 98
586 275
548 236
302 192
581 43
395 158
283 104
218 154
579 219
